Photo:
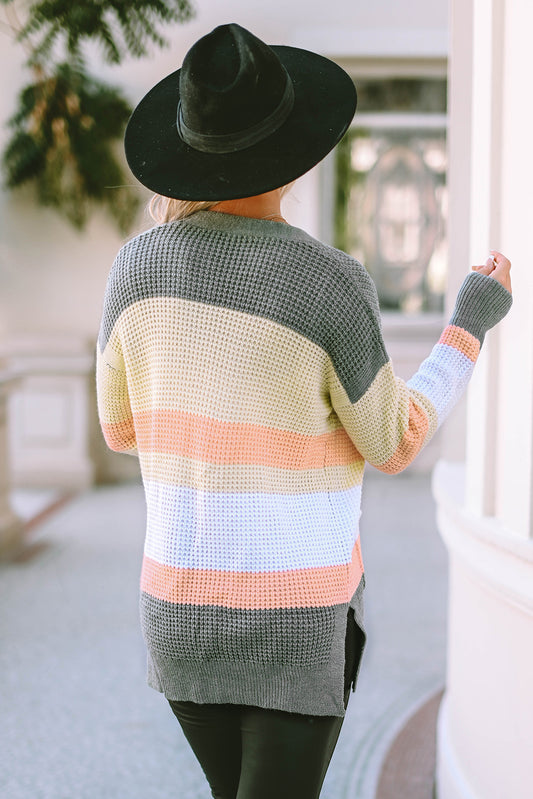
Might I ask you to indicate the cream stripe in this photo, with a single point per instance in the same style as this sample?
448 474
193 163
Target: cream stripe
177 470
411 443
378 421
113 401
224 364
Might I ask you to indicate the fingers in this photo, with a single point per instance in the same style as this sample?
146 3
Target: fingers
499 260
502 269
498 267
486 268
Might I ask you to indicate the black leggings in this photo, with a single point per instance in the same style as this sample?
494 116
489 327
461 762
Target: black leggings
253 753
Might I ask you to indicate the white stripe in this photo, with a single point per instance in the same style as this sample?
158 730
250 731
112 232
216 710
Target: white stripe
442 378
250 532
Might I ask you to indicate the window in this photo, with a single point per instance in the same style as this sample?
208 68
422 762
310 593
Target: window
391 195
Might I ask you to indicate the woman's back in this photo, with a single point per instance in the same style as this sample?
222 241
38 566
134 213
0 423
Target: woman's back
244 361
221 324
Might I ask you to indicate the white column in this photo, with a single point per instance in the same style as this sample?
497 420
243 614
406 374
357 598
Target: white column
459 159
514 464
484 505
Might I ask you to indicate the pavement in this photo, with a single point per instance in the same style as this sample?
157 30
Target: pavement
77 720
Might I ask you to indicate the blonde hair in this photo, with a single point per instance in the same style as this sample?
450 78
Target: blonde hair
166 209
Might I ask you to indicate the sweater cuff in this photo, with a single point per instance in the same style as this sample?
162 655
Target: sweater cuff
481 303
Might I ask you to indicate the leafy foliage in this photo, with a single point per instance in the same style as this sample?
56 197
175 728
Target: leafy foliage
62 134
67 123
119 26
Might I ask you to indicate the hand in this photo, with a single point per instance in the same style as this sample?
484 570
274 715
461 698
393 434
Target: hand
498 267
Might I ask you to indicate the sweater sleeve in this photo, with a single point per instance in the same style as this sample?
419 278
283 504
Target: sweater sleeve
114 408
388 419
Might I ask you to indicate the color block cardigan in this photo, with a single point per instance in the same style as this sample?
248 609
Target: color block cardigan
243 361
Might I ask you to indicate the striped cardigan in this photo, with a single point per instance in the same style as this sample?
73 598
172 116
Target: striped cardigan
243 361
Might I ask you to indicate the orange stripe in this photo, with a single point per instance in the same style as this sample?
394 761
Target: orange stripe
218 442
411 441
461 340
120 435
297 588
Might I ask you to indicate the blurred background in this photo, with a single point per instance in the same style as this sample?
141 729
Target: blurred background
434 172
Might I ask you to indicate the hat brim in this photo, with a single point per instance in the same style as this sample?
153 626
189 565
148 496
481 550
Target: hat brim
325 100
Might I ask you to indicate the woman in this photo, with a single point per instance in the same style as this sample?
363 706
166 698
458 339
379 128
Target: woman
243 361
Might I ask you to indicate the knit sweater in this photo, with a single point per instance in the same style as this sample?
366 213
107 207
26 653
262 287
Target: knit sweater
244 362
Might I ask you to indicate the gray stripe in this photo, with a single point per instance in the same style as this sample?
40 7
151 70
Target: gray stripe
481 303
315 691
285 637
313 687
269 270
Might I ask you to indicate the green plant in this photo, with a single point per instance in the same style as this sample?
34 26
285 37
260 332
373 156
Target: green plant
65 129
342 191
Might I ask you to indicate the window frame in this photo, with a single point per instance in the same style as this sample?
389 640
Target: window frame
384 69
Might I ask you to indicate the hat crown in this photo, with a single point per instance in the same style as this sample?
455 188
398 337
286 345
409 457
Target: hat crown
230 81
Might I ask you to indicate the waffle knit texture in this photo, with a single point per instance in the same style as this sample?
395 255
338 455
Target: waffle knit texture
243 361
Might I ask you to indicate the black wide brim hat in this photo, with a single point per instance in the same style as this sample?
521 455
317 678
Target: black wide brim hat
238 119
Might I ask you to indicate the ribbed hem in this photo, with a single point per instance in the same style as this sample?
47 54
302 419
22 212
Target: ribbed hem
481 303
316 690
